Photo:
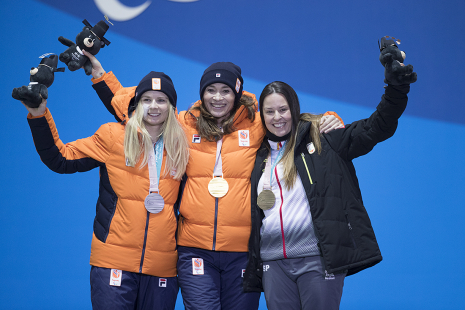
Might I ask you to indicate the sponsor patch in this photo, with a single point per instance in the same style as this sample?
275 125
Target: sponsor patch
244 138
197 266
329 276
238 85
195 138
311 148
156 84
162 282
115 277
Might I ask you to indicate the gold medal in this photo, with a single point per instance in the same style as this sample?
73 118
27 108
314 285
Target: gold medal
218 187
266 199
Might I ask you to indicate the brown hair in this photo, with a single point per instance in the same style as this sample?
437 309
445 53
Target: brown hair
290 170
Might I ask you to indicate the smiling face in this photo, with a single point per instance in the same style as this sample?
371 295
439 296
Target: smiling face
277 115
218 99
156 105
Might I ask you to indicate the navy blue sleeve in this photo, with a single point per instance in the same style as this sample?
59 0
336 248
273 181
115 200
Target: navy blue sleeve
106 95
50 154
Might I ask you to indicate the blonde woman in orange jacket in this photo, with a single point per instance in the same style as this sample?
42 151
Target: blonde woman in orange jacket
142 161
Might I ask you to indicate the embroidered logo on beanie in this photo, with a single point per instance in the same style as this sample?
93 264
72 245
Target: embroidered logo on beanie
156 84
238 85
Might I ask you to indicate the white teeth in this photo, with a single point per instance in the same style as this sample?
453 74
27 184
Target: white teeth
279 125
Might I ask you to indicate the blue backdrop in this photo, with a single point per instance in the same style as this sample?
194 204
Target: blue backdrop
412 184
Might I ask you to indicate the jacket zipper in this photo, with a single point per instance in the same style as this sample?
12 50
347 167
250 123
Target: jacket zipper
145 242
305 163
215 225
281 211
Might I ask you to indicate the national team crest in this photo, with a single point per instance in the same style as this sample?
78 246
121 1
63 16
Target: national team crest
197 266
244 138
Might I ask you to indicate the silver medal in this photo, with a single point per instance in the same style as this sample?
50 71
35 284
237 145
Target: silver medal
154 203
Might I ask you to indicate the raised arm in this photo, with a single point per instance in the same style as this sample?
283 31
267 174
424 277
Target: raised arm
57 156
107 87
360 137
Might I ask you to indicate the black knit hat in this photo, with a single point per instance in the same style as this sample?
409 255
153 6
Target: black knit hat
223 72
154 81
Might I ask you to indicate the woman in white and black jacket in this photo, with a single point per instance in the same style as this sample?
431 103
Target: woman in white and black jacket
317 230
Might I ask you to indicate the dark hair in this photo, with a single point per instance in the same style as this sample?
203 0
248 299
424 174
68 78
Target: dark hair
291 97
290 171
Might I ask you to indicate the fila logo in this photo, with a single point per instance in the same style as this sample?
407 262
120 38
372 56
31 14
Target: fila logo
218 75
195 138
162 282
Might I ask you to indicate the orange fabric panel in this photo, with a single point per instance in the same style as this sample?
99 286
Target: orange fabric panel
196 227
123 246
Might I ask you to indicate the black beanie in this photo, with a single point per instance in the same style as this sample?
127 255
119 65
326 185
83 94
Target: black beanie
154 81
223 72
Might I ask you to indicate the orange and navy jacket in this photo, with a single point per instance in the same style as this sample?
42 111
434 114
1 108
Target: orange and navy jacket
219 224
125 236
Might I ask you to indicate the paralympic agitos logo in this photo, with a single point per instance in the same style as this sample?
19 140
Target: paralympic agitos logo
117 11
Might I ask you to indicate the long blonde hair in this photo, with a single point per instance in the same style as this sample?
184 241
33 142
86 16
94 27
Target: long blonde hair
138 142
289 168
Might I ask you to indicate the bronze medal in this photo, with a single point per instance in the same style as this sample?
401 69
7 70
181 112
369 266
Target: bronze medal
154 203
218 187
266 199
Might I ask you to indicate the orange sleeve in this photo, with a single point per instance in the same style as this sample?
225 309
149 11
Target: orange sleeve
336 115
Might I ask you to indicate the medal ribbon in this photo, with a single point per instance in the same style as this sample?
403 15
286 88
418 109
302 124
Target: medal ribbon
218 169
155 162
268 175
